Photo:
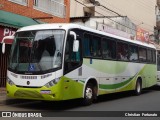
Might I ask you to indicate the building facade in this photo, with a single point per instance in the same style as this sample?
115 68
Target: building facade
158 21
139 12
18 13
57 10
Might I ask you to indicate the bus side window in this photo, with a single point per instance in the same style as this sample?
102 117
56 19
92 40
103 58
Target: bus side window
72 59
149 56
122 51
154 56
133 53
96 47
158 62
92 46
142 54
108 48
87 45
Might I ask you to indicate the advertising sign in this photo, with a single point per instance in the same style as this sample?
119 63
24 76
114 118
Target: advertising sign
142 35
113 31
6 31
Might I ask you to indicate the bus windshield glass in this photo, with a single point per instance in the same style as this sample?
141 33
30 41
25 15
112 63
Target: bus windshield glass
37 51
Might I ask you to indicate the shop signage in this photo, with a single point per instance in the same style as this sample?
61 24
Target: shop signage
113 31
6 31
142 35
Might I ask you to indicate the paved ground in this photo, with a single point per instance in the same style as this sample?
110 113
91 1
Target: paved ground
148 101
2 95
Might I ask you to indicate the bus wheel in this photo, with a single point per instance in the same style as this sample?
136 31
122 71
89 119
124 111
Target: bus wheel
88 94
138 87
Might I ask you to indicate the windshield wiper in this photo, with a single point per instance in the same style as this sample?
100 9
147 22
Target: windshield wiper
34 60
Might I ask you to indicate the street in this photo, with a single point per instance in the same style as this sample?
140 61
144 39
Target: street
149 100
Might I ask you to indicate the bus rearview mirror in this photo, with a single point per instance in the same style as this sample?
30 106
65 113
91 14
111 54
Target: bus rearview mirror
75 46
3 42
3 48
74 34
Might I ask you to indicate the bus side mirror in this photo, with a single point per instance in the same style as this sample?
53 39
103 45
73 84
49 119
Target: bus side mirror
75 42
74 34
75 45
3 42
3 48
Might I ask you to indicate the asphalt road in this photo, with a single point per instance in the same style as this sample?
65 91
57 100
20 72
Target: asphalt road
149 100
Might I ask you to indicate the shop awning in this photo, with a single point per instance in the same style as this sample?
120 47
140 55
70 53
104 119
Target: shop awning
14 20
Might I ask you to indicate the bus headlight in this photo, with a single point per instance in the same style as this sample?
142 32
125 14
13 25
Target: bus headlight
52 83
10 81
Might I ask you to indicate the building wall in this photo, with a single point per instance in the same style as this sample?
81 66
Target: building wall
137 11
29 11
157 33
76 9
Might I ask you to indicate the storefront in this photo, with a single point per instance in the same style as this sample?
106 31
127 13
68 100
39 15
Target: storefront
9 23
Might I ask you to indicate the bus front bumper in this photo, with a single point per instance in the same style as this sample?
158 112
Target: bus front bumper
42 93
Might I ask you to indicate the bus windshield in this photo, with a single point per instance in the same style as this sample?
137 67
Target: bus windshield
37 51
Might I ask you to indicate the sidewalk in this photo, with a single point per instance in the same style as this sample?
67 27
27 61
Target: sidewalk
3 95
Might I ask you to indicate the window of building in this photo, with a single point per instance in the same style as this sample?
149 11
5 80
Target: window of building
133 53
122 51
35 3
92 46
21 2
108 49
53 7
142 54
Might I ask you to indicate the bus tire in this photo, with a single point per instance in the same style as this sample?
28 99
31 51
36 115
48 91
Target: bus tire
138 87
88 94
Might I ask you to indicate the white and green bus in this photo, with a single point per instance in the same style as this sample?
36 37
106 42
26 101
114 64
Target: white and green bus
158 67
56 62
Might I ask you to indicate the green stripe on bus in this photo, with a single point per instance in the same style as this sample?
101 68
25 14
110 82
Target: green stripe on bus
115 86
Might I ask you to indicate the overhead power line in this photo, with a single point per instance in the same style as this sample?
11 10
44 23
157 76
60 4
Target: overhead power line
98 4
145 6
105 16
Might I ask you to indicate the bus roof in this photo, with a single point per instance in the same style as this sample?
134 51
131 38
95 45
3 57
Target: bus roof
67 26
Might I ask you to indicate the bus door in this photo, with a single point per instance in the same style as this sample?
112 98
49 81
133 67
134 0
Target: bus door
72 63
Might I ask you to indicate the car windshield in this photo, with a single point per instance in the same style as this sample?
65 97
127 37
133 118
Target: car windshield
34 51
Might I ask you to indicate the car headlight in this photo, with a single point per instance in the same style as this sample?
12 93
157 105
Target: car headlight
52 83
10 82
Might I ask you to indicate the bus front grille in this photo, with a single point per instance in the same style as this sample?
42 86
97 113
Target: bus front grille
28 94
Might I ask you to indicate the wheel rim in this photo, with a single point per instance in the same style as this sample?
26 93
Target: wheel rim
89 93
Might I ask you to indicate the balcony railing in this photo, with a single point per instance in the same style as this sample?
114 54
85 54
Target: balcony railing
21 2
51 7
